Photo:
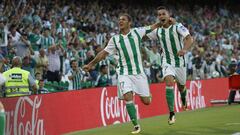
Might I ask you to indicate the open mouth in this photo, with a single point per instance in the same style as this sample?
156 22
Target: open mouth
163 20
120 24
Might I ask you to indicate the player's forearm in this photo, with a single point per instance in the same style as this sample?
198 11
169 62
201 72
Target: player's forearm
172 21
100 56
188 41
155 26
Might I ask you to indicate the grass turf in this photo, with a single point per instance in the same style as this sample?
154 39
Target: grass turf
221 120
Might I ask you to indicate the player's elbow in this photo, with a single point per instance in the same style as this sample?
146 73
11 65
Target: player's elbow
191 40
103 54
188 40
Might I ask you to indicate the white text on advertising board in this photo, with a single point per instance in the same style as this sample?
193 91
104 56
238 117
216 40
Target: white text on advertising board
25 118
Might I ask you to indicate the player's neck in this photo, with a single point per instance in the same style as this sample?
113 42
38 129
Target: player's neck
166 25
125 31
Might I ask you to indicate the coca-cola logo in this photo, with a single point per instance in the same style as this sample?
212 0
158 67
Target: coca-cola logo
113 110
195 99
24 120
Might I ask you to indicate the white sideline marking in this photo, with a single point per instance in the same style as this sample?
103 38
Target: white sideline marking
238 133
232 124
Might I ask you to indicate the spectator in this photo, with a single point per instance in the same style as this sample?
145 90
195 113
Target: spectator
47 40
29 65
5 64
102 79
233 67
209 66
3 38
22 80
53 73
38 76
42 89
41 63
63 29
23 46
198 68
75 76
35 40
14 35
94 72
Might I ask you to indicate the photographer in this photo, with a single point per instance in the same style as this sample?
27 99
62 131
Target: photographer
198 68
233 68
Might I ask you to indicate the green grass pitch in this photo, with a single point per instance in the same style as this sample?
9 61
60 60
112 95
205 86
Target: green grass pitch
221 120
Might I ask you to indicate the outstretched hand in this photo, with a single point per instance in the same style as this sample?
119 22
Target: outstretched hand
87 68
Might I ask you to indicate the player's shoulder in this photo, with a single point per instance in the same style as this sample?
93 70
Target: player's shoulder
136 28
114 38
139 28
181 27
178 24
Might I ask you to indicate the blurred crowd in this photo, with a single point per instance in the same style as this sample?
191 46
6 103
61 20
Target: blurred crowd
49 35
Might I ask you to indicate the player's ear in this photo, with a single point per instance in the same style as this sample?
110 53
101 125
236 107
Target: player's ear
130 23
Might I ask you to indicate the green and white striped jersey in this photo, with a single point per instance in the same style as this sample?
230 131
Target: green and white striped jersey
127 47
171 40
64 31
47 42
76 82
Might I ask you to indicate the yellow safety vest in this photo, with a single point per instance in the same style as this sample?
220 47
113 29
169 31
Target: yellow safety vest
16 82
37 84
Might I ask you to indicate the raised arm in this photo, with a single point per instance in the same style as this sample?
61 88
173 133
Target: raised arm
158 24
155 26
151 32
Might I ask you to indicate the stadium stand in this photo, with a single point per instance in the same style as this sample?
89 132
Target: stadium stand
82 28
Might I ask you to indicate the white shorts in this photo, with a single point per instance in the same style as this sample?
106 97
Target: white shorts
180 73
136 83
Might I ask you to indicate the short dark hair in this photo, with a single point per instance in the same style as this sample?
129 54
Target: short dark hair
41 80
46 29
102 67
73 60
162 7
127 15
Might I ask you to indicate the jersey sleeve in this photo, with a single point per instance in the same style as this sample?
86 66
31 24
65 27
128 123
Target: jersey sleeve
183 31
152 35
110 48
141 31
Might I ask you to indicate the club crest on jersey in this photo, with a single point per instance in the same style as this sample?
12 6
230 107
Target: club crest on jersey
183 28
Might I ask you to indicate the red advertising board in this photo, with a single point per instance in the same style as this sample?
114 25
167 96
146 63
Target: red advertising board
63 112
